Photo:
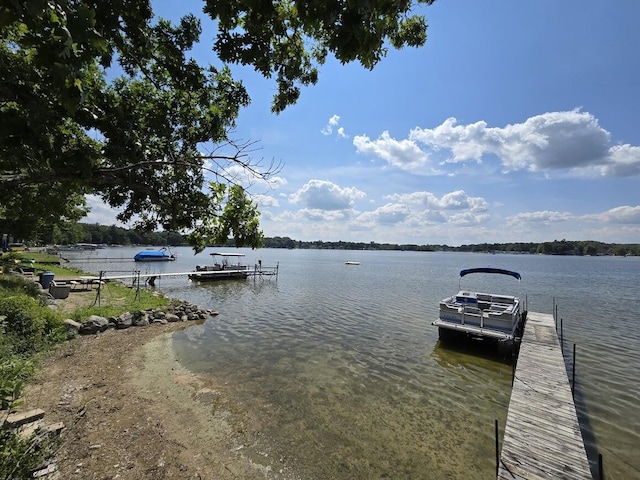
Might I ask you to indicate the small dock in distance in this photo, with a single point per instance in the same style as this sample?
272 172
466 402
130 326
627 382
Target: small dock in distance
86 282
542 437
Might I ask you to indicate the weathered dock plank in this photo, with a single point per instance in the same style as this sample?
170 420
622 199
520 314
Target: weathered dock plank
542 437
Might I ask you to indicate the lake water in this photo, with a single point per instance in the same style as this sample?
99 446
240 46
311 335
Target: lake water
345 373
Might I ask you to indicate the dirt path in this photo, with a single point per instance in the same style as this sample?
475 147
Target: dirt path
132 412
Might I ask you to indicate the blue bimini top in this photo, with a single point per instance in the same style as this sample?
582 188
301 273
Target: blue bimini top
490 270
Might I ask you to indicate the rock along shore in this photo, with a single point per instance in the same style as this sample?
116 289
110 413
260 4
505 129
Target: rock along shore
181 312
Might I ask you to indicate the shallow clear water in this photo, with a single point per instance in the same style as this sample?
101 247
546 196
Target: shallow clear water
346 375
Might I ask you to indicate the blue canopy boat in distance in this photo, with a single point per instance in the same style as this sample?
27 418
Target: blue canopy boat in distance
162 255
495 317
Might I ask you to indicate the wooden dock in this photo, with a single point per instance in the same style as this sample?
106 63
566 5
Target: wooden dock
542 437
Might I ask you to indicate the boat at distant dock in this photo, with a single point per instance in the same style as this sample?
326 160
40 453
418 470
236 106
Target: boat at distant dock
228 267
76 247
494 317
161 255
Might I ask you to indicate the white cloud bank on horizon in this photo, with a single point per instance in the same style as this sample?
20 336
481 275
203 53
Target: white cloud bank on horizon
571 141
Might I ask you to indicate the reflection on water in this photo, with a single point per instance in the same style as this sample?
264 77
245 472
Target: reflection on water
346 375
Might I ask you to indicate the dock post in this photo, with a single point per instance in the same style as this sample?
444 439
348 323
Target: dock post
573 374
497 449
561 338
600 467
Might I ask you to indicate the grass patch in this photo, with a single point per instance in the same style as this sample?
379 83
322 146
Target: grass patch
26 258
40 257
114 298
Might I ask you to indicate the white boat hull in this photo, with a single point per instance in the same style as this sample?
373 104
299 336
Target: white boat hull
481 315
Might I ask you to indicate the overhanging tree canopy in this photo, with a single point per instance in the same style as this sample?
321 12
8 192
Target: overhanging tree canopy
69 129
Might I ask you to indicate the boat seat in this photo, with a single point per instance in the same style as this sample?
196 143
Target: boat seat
502 299
466 298
483 305
501 308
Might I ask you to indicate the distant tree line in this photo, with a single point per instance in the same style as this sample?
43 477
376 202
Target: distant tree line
557 247
286 242
111 235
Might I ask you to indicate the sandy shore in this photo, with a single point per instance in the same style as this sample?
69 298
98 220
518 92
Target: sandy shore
132 412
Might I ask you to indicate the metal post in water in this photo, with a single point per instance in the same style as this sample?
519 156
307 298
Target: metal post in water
514 357
497 449
573 374
561 338
600 467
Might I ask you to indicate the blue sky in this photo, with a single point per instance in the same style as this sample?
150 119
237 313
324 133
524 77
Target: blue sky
516 122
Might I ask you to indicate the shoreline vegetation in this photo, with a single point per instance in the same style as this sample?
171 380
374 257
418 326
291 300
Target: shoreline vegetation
122 396
111 235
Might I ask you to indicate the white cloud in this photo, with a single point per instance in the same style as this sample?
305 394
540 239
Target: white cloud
451 201
468 218
571 141
542 217
625 162
555 140
265 200
331 125
619 215
389 214
319 215
626 215
419 210
246 178
325 195
466 142
401 153
428 217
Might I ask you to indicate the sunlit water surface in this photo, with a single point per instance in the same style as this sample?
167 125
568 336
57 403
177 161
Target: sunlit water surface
345 372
